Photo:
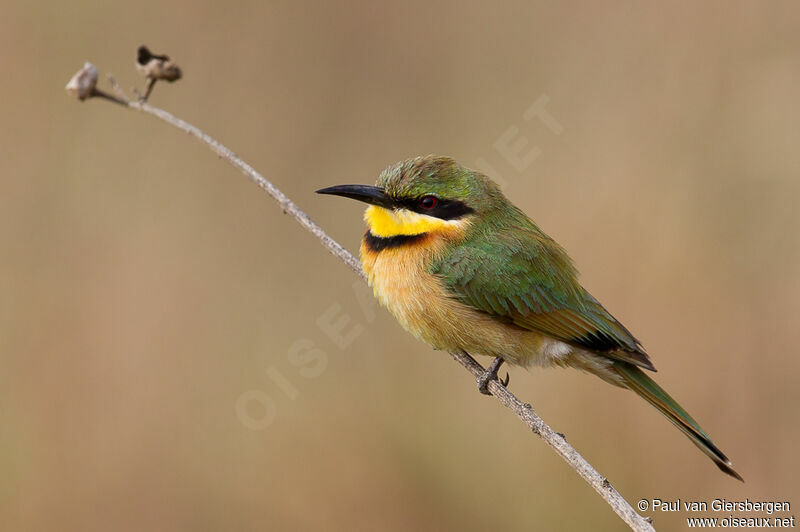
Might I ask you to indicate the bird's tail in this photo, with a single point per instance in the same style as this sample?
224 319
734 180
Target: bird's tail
635 379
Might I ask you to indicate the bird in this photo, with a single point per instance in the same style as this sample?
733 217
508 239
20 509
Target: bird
464 270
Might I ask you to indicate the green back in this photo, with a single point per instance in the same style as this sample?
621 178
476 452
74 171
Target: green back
508 268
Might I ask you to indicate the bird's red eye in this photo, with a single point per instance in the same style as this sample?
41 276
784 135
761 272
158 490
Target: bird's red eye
429 202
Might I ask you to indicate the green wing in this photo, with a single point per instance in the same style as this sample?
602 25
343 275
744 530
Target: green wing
522 276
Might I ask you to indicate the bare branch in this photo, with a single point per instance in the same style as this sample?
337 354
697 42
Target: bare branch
118 90
524 411
558 442
97 93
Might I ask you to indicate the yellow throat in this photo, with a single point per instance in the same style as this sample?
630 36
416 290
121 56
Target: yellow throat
387 223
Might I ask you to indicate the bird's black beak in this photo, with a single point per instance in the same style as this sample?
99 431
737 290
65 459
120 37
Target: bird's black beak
365 193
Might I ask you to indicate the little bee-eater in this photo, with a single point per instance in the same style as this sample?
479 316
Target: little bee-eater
464 270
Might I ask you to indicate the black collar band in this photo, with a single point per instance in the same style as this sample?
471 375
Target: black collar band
379 243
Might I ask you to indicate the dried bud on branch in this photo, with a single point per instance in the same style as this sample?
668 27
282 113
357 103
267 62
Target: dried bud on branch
84 82
156 66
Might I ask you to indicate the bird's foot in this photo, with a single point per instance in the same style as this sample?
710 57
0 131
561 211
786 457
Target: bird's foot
490 375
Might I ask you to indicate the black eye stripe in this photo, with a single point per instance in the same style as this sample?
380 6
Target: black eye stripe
445 209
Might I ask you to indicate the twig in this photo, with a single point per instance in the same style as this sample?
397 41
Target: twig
148 88
287 205
97 93
118 90
524 411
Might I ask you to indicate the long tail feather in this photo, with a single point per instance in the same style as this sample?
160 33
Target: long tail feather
639 382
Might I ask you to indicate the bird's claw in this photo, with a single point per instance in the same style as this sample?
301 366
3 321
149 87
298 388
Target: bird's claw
490 375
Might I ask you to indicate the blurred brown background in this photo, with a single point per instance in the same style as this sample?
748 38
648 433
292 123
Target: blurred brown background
147 289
